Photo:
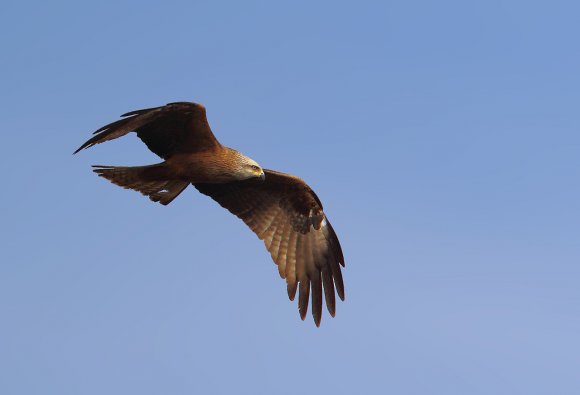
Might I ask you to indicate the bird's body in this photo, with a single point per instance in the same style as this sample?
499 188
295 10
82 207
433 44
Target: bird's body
281 209
218 165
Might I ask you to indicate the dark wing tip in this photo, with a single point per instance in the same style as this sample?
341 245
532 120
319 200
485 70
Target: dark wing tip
186 103
335 244
181 104
339 283
291 288
316 285
87 144
303 296
104 133
136 112
328 286
340 288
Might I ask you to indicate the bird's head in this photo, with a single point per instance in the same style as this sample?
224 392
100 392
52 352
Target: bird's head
252 170
249 168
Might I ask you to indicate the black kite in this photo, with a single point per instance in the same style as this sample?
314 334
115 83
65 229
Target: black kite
281 209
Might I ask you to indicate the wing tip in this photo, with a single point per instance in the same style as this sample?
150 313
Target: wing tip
291 289
88 144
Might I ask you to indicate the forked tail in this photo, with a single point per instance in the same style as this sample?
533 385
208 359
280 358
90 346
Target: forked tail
152 181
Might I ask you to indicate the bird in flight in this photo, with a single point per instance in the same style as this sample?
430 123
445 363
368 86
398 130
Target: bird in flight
282 210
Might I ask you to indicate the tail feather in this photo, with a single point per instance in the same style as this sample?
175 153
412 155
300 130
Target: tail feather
151 181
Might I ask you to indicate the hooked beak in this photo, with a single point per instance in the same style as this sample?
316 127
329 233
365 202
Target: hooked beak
262 176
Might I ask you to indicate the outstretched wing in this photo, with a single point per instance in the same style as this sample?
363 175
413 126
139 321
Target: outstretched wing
167 130
285 213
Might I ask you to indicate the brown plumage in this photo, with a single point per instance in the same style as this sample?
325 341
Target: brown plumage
280 209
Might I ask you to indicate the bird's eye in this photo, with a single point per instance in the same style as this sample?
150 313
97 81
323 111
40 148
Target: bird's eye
255 167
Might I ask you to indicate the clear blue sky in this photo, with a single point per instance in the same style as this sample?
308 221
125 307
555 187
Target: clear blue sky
442 137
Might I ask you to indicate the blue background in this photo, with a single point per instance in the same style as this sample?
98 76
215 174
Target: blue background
441 136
